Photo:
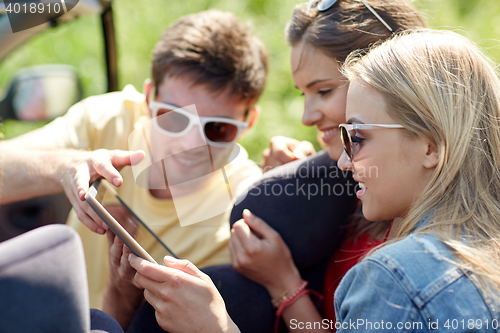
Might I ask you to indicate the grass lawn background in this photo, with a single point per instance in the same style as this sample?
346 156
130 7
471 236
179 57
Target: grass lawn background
139 25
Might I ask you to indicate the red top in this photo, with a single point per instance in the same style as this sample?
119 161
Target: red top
348 255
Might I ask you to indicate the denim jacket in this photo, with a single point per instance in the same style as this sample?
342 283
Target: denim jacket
412 286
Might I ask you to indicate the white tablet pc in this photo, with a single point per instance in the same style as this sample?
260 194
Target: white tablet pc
105 201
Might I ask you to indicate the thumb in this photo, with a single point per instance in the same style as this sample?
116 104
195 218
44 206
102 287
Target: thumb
184 265
121 158
299 154
258 225
303 149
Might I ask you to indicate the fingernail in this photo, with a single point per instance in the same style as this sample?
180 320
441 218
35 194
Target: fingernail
116 181
169 260
81 194
299 154
247 213
130 257
100 231
104 226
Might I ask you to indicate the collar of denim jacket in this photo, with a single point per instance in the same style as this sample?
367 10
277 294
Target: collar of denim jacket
424 222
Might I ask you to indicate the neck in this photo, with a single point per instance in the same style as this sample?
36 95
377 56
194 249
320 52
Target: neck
161 194
396 224
157 177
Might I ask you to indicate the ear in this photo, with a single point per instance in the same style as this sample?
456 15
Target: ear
148 90
431 158
253 116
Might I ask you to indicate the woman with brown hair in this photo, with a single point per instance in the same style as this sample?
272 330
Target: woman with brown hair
322 34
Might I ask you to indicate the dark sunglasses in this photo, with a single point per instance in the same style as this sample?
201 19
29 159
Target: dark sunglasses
175 121
324 5
351 146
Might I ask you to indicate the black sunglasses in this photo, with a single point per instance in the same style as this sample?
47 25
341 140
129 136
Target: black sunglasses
324 5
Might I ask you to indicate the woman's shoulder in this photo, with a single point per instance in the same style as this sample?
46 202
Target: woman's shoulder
419 247
414 279
418 262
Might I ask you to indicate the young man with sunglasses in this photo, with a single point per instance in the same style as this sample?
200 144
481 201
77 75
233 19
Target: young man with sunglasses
208 72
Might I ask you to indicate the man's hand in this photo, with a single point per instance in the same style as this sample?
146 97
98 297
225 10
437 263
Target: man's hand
77 170
283 150
122 274
122 296
184 298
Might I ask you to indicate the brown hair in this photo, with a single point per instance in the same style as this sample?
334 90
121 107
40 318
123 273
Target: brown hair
212 48
348 25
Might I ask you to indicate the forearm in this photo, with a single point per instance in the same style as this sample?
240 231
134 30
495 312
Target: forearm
302 316
28 173
122 305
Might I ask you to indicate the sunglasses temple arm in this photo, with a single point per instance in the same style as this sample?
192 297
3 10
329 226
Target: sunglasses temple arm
227 184
211 158
377 16
223 173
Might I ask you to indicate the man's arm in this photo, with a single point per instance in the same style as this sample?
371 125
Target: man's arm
29 172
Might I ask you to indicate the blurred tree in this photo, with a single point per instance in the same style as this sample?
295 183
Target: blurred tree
139 24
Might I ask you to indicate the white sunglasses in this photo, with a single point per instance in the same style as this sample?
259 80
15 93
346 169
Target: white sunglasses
176 121
351 146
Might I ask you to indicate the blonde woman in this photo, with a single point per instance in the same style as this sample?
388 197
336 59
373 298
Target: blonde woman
429 123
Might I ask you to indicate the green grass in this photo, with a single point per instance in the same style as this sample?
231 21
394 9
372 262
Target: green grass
139 24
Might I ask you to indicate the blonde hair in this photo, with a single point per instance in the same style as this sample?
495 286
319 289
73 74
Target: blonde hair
440 87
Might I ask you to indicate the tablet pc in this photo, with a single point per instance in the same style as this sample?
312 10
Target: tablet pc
120 218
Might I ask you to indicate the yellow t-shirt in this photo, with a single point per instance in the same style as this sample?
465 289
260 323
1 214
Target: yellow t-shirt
106 121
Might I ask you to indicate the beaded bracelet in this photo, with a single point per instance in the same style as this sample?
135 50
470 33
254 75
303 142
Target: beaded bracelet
301 291
283 297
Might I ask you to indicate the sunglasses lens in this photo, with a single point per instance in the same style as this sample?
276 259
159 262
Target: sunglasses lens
171 121
346 141
326 4
220 132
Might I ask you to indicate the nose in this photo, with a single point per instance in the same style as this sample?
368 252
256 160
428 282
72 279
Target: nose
344 163
311 114
192 139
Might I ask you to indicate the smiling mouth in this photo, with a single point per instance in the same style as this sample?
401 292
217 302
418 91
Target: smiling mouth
329 134
189 161
362 190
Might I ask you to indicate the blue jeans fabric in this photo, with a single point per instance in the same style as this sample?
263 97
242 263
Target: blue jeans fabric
312 216
247 302
309 203
101 322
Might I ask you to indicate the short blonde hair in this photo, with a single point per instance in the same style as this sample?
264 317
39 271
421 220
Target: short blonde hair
441 87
